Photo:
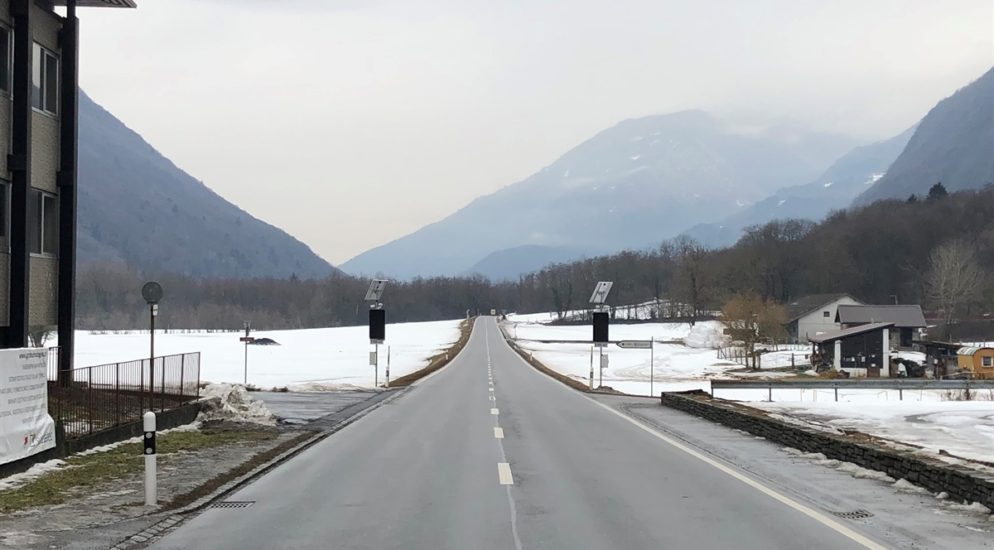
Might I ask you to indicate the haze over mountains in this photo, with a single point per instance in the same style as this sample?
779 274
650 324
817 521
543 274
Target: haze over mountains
954 144
137 208
637 183
630 186
653 178
845 179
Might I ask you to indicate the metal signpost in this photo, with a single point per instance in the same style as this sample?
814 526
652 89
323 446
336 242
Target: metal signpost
377 325
152 293
601 323
643 344
248 340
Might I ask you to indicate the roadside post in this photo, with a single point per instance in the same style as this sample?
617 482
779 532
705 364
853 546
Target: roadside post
151 491
152 293
601 323
591 367
248 340
377 325
388 366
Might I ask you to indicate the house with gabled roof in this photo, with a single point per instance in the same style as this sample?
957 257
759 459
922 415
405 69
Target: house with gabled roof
908 320
814 314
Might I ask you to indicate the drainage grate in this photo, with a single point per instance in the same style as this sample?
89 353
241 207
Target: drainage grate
234 504
855 514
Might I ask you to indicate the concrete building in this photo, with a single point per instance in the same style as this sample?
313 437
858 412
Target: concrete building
814 314
38 131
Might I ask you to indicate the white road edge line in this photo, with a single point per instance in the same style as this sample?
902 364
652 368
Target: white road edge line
806 510
498 432
504 473
783 499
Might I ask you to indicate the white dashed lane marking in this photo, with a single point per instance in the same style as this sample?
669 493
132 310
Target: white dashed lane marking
504 473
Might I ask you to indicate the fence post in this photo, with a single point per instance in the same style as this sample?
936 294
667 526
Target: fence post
117 394
162 387
770 387
89 396
182 371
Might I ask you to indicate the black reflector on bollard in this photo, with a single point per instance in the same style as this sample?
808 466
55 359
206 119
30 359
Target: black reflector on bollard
150 443
600 327
377 324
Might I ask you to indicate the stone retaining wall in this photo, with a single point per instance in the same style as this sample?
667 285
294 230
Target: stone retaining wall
960 483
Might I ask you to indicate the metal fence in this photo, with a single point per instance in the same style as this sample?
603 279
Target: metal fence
862 384
90 399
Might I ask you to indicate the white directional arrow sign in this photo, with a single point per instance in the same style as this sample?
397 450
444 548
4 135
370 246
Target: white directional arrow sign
635 344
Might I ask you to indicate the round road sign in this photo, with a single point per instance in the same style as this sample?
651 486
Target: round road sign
152 292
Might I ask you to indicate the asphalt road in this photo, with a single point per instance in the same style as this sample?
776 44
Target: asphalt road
429 471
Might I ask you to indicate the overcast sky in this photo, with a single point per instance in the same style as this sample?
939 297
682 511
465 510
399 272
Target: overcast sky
350 123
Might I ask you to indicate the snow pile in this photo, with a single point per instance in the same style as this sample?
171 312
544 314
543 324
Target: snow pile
707 335
234 404
16 480
854 470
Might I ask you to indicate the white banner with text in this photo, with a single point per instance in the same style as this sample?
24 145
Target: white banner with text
25 426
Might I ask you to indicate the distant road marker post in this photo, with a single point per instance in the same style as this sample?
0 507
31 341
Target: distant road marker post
248 340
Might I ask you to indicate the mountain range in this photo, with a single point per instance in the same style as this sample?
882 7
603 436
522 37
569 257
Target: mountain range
653 178
137 208
835 189
632 185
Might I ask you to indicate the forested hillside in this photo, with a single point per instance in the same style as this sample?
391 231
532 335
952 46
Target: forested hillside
890 248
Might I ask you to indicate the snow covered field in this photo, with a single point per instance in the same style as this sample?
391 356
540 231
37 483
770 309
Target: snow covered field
308 359
961 428
677 367
927 419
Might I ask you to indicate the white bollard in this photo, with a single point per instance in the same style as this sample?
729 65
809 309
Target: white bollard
149 444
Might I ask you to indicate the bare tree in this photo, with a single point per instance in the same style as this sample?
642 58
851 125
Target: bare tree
953 278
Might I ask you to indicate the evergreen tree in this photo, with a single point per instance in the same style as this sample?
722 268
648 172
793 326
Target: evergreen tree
937 191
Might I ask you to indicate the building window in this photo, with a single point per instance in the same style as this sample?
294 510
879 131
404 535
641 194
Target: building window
5 60
4 216
987 361
45 81
825 314
43 230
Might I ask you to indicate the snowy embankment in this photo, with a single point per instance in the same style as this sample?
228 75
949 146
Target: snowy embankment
677 366
960 428
305 360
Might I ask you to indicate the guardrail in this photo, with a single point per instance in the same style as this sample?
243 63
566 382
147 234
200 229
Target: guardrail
866 384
